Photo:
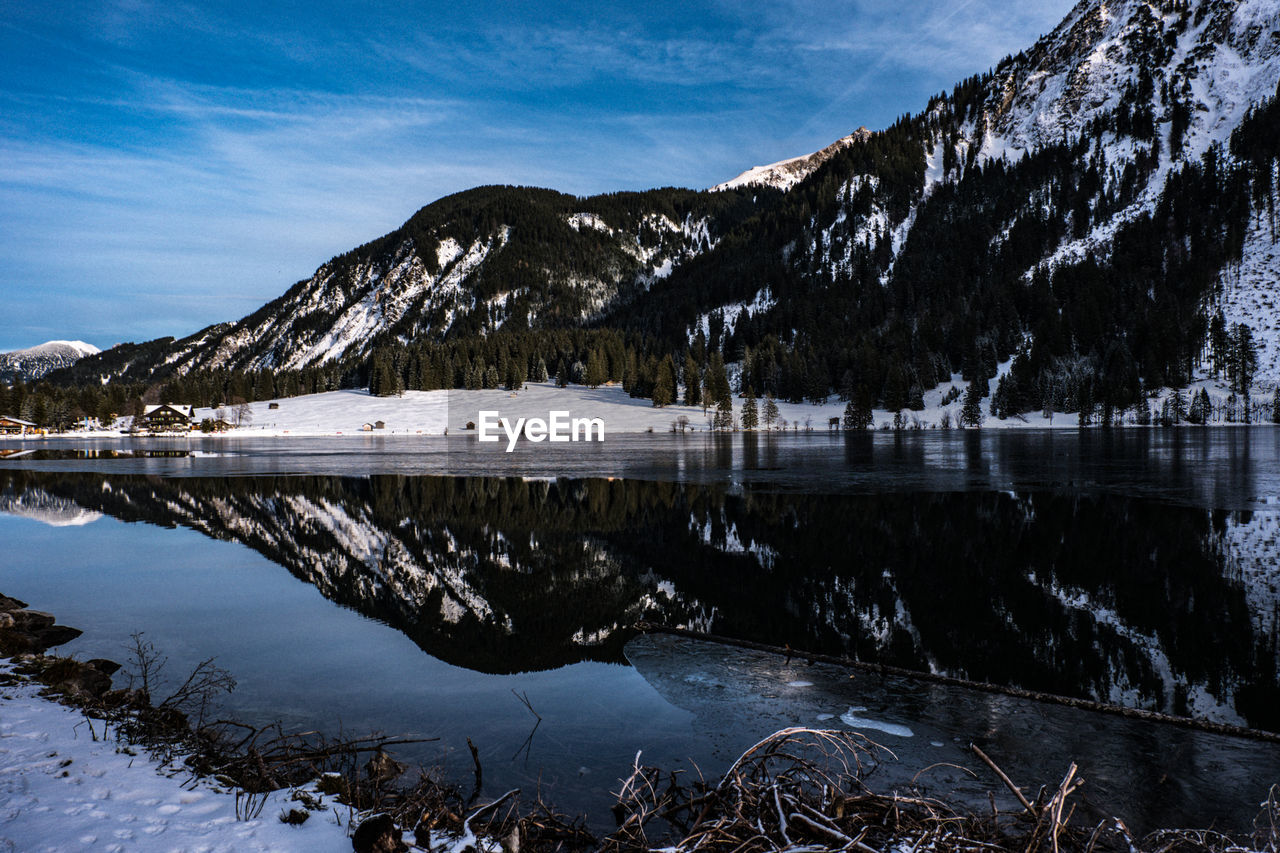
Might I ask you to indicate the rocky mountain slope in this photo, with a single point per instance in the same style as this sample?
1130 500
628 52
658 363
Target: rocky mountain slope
468 264
35 362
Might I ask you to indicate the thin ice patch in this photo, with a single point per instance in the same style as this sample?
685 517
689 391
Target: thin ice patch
851 719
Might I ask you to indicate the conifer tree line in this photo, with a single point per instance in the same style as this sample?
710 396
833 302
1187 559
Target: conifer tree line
837 307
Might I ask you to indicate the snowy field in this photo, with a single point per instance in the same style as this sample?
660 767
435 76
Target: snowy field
429 412
61 790
432 412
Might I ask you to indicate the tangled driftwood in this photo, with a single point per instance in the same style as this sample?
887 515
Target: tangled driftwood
804 790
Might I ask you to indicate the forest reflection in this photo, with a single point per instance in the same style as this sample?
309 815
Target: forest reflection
1111 597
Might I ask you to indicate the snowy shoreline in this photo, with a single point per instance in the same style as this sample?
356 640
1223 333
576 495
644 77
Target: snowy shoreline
62 788
439 413
71 779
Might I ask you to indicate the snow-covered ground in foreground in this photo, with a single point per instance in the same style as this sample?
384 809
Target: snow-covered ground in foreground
61 790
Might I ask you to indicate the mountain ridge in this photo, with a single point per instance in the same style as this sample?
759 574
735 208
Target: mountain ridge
785 174
1017 184
34 362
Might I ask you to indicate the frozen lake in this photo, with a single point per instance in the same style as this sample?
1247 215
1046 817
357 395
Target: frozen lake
411 585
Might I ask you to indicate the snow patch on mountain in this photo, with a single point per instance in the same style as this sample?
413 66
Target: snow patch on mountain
1225 58
1250 294
578 221
785 174
762 301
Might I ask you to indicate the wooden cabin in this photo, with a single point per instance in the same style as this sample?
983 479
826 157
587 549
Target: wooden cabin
15 426
168 417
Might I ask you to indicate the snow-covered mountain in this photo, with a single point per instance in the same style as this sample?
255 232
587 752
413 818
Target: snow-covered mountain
909 246
468 264
1193 68
785 174
34 362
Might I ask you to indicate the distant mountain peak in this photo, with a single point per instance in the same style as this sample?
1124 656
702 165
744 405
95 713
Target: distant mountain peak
785 174
34 362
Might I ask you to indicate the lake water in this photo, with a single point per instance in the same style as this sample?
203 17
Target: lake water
416 586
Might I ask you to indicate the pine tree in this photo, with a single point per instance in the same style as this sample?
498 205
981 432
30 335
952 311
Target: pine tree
630 372
1275 406
1198 413
857 413
1219 344
724 416
971 411
750 417
515 376
1243 358
596 371
664 386
717 383
692 381
771 410
915 398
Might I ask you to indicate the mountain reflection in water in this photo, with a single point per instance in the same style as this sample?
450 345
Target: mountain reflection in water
1110 597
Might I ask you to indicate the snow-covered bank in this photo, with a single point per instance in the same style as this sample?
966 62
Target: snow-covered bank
429 413
61 790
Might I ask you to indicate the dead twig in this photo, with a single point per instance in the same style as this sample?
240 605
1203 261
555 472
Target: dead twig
1017 792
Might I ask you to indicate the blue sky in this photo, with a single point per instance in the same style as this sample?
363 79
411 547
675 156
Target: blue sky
164 166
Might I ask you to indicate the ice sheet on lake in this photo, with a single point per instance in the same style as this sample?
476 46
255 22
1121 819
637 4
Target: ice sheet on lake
738 696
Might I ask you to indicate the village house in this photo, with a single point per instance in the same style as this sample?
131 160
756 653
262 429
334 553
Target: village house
15 426
168 417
